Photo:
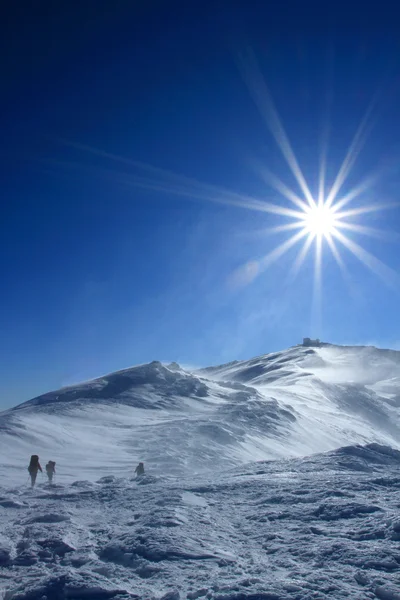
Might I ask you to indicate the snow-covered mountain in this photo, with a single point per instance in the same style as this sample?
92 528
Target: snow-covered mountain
213 517
287 404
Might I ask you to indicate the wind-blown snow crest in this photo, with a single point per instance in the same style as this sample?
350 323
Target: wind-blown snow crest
286 404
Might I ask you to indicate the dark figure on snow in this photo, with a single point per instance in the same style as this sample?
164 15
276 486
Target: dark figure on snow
51 470
140 469
34 467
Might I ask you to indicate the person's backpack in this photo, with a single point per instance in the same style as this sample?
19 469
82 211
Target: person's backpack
140 469
34 464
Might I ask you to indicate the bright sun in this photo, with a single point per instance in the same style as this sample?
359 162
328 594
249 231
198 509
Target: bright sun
320 220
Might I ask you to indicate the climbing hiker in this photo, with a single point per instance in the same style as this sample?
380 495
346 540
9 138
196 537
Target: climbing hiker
34 467
139 469
51 470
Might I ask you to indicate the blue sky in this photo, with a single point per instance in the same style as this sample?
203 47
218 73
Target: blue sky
99 272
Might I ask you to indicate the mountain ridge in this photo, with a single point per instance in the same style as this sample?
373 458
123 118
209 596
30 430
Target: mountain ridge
196 371
291 403
200 370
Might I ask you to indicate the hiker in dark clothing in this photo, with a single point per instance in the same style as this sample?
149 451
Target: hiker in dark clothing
34 467
140 469
51 470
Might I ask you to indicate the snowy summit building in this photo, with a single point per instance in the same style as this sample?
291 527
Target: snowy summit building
309 342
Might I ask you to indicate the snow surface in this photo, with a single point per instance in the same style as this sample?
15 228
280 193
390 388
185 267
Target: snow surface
273 478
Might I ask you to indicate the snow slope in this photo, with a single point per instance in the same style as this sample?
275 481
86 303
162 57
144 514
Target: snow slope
287 404
298 529
237 503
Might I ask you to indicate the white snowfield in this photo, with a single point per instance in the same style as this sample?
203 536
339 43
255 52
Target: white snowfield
269 479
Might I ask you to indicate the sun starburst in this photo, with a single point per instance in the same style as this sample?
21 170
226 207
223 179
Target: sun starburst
322 221
319 222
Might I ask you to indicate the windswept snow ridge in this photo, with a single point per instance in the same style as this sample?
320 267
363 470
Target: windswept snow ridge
291 403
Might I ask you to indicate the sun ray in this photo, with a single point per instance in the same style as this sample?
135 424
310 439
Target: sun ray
186 186
335 252
286 227
354 150
326 129
342 266
279 186
323 163
369 260
215 195
267 231
300 258
362 210
258 89
317 287
355 192
366 230
321 181
248 272
280 250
